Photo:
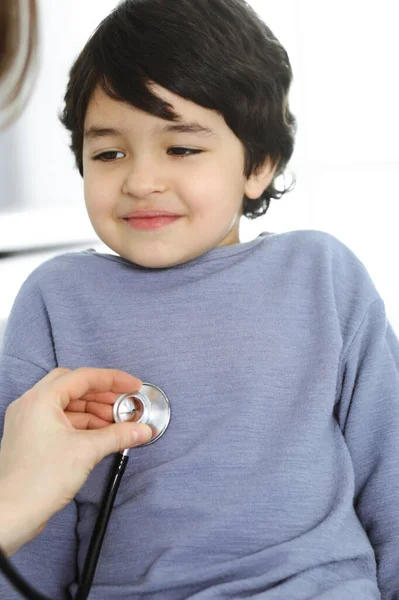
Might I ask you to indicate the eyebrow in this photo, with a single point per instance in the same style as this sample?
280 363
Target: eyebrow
94 132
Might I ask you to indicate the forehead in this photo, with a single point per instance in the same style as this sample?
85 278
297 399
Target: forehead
105 115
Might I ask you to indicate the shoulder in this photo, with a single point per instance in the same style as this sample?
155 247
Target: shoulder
313 244
69 268
320 272
322 257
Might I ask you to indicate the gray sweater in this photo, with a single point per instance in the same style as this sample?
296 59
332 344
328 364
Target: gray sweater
278 477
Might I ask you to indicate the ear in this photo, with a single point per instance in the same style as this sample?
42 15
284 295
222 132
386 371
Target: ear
259 181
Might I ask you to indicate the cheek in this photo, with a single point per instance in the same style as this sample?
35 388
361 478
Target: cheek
89 194
223 181
98 194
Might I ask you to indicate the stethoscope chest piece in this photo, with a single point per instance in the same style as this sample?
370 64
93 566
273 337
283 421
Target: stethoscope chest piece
149 405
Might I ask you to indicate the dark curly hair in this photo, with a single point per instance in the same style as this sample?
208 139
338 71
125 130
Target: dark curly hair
217 53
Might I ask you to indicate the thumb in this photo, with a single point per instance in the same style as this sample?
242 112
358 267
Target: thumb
117 437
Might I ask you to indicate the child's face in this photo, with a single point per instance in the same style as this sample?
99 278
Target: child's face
142 170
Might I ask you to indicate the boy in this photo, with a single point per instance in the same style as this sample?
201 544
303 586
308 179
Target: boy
278 475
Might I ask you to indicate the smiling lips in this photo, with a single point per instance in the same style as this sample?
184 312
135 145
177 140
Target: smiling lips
150 213
150 220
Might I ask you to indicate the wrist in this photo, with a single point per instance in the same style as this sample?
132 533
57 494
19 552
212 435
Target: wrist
20 522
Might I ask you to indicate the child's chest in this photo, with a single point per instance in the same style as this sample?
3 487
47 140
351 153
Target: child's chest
252 453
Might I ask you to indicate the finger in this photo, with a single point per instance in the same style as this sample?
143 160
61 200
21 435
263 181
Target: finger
76 406
55 374
117 437
92 407
104 411
101 397
86 421
75 384
50 378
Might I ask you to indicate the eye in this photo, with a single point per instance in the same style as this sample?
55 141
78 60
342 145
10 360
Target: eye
108 156
191 152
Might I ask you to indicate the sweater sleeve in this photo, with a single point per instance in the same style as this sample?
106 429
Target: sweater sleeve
368 412
48 562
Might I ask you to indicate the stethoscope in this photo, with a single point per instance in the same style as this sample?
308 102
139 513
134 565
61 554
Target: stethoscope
149 405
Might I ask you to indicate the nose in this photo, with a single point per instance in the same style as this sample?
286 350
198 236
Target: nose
142 178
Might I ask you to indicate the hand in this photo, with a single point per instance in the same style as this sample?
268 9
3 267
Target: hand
94 411
45 456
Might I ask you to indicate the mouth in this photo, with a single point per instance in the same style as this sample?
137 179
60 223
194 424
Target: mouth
143 214
150 222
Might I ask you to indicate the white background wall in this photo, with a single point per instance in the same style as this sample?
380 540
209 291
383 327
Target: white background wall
345 95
